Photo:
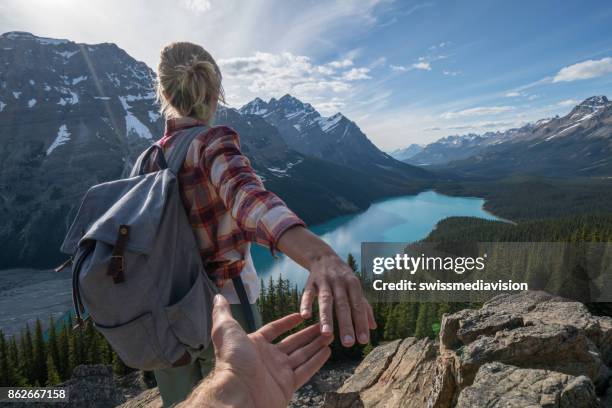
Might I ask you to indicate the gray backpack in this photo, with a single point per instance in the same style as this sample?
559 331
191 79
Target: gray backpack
136 266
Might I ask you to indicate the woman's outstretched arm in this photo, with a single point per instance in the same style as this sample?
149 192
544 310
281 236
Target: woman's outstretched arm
264 218
334 284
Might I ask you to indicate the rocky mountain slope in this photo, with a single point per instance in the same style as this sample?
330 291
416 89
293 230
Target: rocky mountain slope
523 350
407 153
577 144
74 115
335 138
458 147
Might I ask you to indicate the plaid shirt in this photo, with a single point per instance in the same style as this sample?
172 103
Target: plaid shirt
227 204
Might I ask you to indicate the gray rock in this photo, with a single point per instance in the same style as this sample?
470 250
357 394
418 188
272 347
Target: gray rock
500 385
522 350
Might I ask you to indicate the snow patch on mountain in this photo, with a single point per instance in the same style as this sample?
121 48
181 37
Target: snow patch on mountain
79 79
63 137
66 54
153 116
132 124
72 100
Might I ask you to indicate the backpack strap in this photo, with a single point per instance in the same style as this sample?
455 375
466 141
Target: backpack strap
181 146
246 305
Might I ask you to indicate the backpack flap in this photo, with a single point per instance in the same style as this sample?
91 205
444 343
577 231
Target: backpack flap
137 202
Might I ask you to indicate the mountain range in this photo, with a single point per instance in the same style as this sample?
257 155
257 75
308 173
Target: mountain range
74 115
577 144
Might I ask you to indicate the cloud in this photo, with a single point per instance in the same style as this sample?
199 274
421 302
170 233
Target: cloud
584 70
327 86
341 64
568 102
198 6
451 73
423 65
477 111
431 129
398 68
356 74
513 94
498 124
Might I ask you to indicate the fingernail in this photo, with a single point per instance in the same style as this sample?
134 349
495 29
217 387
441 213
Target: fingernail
363 338
218 298
305 312
348 339
326 328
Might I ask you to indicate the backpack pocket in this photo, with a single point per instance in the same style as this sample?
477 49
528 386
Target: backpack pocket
191 317
136 343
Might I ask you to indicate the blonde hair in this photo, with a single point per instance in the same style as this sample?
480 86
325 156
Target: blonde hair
188 81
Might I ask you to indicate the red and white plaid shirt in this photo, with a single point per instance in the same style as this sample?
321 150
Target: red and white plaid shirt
227 204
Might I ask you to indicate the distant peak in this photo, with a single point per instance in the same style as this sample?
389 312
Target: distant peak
597 99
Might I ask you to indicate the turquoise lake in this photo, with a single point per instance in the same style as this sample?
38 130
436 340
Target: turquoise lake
399 219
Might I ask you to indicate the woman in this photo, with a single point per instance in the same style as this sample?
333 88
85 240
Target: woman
229 208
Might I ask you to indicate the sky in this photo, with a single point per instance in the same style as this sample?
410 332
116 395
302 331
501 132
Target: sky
404 71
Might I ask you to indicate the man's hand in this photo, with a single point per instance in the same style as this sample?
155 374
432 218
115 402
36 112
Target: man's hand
250 370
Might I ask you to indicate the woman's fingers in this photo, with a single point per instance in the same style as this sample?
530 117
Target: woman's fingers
326 307
303 354
359 311
304 372
291 343
274 329
343 313
371 320
307 298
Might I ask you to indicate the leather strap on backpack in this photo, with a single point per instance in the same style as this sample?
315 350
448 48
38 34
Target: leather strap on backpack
116 266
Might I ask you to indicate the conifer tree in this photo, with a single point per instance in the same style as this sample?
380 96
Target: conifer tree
39 361
5 376
26 354
52 344
63 365
53 377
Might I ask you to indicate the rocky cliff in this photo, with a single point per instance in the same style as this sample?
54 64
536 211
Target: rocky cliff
525 350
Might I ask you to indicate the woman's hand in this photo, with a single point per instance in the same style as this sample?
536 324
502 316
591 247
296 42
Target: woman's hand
333 283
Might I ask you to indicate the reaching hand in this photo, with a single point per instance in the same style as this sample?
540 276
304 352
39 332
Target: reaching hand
334 283
250 370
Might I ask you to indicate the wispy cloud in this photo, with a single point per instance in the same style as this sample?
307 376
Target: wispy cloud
568 102
584 70
422 65
451 73
477 111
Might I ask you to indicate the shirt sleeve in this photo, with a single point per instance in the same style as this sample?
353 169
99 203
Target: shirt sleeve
261 215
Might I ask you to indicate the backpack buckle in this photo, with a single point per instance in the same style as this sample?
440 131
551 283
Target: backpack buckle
116 265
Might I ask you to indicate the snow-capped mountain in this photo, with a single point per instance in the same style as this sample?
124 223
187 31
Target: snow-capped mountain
406 153
577 144
74 115
335 138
